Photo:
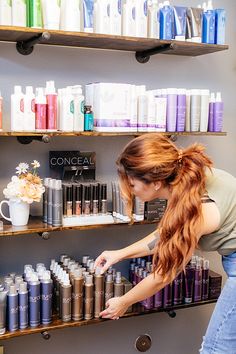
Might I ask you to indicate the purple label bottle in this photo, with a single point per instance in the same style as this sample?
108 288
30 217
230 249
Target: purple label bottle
171 112
218 108
167 298
211 113
181 110
188 282
197 283
158 299
205 280
178 289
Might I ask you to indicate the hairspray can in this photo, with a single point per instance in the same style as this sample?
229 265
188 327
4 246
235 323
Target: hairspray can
98 292
46 298
77 295
88 297
12 309
23 305
34 301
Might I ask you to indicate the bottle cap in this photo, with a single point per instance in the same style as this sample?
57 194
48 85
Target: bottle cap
95 191
50 88
89 280
103 191
218 97
206 264
212 97
12 290
69 193
109 278
29 90
78 193
57 184
205 92
78 273
17 89
23 287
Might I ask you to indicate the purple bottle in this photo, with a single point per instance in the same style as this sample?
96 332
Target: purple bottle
205 279
188 284
211 113
131 272
158 299
198 282
167 298
218 108
178 289
171 113
181 110
147 303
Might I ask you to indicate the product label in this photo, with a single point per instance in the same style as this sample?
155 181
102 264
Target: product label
82 107
145 7
72 107
33 105
22 105
119 6
133 13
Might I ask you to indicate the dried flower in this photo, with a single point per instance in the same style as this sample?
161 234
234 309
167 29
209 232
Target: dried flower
27 186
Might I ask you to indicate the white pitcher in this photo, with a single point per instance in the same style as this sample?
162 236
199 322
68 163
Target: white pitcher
18 210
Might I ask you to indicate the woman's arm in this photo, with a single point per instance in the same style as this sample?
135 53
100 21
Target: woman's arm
140 248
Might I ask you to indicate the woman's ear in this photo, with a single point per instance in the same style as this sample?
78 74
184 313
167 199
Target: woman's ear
157 185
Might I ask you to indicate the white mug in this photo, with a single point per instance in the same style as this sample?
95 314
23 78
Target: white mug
18 210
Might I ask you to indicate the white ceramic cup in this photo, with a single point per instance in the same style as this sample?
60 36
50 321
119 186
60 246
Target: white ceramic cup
18 210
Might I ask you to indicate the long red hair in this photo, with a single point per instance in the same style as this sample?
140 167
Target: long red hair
151 158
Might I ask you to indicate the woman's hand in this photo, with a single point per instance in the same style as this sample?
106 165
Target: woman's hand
107 259
115 308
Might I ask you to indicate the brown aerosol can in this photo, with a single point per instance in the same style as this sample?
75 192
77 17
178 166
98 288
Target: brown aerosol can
109 287
77 295
98 292
66 290
88 297
118 285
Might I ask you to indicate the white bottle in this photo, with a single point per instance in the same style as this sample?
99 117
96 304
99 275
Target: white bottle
133 108
188 105
70 16
19 13
29 119
102 17
17 110
78 125
51 14
141 18
128 19
153 19
67 110
195 110
151 112
115 17
205 98
160 112
5 13
142 109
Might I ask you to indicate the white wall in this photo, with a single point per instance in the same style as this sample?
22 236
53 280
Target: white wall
68 66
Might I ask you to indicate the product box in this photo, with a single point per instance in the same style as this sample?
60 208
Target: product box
215 283
111 106
154 210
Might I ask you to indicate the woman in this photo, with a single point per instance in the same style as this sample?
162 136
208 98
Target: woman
201 211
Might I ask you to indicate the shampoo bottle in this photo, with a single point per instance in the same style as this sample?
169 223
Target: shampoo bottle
51 14
67 110
195 110
141 18
40 110
51 98
153 19
19 13
34 14
17 109
205 97
29 117
78 125
70 16
181 110
5 13
218 109
220 26
166 21
115 17
128 18
211 112
102 17
208 25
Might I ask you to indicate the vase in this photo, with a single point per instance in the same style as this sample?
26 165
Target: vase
18 210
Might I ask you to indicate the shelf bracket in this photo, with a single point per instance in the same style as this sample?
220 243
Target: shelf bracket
144 56
46 335
171 313
25 140
44 235
27 47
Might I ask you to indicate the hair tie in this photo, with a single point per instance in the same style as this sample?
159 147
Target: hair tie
180 156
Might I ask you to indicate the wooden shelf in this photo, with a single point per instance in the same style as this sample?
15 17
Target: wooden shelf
108 42
36 225
58 324
58 134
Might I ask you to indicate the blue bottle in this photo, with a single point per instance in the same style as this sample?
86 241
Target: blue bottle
23 306
34 301
220 26
88 119
46 299
166 21
12 309
208 25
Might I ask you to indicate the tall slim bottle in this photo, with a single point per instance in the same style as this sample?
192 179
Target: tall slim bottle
23 305
98 292
57 204
34 301
118 285
34 14
88 297
77 295
46 298
12 309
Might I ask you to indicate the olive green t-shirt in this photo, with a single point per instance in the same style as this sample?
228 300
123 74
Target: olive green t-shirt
221 188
